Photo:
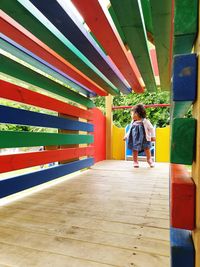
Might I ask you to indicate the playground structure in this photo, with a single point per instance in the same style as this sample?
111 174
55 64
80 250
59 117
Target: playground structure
49 60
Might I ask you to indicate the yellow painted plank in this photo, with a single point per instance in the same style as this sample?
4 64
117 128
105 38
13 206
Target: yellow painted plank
162 144
118 145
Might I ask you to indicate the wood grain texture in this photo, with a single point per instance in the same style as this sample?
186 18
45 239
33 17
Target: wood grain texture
110 215
17 93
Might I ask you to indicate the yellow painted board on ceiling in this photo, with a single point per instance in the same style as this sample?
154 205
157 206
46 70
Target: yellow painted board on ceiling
118 145
162 144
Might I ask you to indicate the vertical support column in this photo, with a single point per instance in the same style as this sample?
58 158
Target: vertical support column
109 126
196 164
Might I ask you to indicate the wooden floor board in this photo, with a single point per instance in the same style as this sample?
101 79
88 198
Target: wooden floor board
110 215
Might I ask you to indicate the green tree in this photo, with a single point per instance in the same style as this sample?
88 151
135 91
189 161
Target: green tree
158 116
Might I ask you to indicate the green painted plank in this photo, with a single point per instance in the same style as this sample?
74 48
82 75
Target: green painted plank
147 15
35 63
15 69
185 25
183 141
117 25
56 41
161 13
10 139
129 14
180 108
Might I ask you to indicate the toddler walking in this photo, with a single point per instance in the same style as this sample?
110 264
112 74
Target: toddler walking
140 135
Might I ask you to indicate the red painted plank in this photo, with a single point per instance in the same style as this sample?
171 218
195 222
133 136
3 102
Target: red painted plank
99 121
20 94
23 37
25 160
98 21
182 198
154 62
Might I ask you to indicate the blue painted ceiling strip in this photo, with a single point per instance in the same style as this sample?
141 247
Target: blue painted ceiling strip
16 184
24 117
58 73
74 31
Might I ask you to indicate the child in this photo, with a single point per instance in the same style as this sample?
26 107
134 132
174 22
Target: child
140 135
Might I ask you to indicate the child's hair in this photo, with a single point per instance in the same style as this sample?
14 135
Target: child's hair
140 110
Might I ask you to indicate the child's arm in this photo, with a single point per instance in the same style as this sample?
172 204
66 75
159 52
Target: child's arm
127 134
152 132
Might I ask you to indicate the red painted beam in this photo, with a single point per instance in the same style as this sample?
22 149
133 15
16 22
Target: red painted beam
146 106
154 62
25 160
182 198
17 93
98 21
99 121
20 35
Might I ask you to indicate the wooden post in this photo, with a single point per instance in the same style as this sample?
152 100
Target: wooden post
196 164
109 126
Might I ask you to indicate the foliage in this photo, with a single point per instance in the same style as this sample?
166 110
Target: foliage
158 116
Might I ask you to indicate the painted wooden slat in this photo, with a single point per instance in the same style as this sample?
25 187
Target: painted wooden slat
25 117
100 24
182 198
131 21
17 93
99 121
185 77
162 17
28 139
23 37
180 108
15 69
146 9
21 53
182 248
16 184
185 25
183 140
56 41
67 23
30 159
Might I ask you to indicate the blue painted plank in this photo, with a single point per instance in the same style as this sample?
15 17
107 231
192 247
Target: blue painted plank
24 117
65 21
185 77
16 184
12 47
182 248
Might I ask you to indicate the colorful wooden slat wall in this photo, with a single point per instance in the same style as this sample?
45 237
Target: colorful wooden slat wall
185 25
57 42
72 144
22 182
98 20
20 35
25 55
162 17
99 121
183 151
67 23
182 198
19 94
131 21
196 163
182 249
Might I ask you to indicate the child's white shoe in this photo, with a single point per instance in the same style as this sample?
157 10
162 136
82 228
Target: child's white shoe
135 164
151 164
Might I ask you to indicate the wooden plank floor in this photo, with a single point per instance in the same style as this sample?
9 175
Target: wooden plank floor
110 215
